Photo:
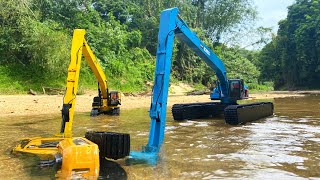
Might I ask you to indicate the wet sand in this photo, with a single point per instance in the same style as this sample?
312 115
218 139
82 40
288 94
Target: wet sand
25 105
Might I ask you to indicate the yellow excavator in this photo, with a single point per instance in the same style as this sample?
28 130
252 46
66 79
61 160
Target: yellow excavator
79 155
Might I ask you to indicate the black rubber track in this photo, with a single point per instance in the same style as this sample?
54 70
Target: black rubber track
116 111
197 110
94 112
111 145
242 113
234 114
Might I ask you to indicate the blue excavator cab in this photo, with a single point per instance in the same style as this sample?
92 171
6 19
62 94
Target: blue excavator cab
237 90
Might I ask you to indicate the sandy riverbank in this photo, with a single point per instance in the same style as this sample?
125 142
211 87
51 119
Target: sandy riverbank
25 105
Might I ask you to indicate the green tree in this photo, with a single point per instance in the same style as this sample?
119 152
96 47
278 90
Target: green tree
219 17
35 38
293 55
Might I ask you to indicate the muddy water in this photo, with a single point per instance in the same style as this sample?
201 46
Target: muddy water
285 146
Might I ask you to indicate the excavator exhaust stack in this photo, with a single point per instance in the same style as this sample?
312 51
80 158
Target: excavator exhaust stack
233 114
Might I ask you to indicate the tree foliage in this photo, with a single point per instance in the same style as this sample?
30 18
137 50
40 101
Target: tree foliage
31 47
219 17
292 59
35 38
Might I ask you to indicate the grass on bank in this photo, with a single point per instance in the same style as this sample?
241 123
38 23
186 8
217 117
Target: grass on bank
16 80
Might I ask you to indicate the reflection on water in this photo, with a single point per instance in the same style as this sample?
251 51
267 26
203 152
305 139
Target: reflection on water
284 146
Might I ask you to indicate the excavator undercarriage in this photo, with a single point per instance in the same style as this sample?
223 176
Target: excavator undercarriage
109 106
233 114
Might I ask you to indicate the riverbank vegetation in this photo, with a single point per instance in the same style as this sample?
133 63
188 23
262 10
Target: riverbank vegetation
35 39
292 59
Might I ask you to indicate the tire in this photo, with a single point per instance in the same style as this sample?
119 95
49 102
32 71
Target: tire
111 145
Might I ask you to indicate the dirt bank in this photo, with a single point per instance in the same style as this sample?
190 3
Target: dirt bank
25 105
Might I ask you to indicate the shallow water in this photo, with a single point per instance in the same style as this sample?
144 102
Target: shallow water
284 146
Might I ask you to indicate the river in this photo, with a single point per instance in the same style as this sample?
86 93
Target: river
284 146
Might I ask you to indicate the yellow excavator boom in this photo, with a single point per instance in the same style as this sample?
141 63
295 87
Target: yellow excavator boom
103 100
75 154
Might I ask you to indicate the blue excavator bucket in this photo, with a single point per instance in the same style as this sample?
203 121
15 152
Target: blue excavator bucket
143 157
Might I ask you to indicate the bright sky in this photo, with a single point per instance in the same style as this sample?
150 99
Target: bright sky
271 12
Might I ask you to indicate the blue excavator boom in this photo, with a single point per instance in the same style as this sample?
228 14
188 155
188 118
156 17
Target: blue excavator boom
228 91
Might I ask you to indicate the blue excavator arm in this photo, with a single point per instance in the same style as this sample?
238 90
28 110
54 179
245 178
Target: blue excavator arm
228 91
172 25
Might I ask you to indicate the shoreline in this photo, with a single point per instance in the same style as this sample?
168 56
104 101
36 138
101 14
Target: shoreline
28 105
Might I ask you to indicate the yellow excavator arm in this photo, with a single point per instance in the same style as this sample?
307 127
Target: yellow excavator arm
78 154
106 102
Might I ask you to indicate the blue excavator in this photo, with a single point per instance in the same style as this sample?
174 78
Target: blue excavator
228 91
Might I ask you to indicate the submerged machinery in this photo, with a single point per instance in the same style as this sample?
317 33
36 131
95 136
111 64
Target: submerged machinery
80 155
233 113
228 91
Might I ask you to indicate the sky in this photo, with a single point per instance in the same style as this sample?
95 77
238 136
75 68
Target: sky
270 12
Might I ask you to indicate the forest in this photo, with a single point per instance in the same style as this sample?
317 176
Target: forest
35 40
